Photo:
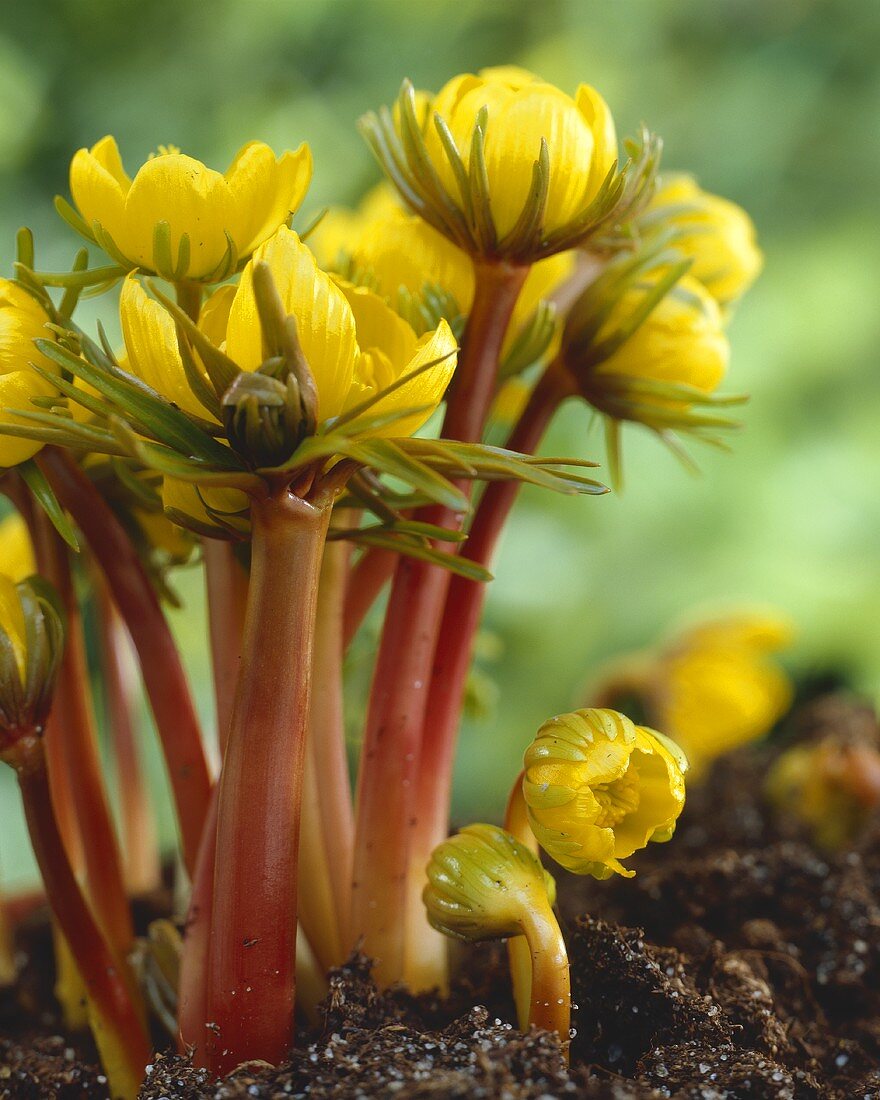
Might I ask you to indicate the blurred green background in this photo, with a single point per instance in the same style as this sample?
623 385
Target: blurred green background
773 103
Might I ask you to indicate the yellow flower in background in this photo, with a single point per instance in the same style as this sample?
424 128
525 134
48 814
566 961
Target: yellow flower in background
522 110
179 218
716 234
682 341
713 687
16 549
22 320
598 788
354 343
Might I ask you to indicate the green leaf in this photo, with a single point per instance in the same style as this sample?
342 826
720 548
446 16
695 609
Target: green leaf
42 493
385 540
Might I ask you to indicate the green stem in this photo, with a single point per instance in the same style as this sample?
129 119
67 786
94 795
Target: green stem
251 990
161 668
386 807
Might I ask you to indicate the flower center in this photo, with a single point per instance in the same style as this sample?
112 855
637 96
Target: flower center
617 798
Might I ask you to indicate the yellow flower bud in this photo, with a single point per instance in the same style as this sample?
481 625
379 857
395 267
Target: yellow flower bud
716 234
480 883
16 550
522 112
179 218
681 342
31 641
22 320
598 788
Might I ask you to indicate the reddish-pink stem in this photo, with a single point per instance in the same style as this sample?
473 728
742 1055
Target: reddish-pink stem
252 981
366 580
226 582
161 668
386 808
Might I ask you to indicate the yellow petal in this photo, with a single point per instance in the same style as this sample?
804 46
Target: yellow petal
192 199
151 344
214 315
598 117
265 191
99 184
12 621
16 550
427 386
324 320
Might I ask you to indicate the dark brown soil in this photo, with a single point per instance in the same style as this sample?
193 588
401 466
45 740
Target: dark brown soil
740 964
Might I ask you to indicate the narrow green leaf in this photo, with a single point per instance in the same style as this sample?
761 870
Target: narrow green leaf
42 493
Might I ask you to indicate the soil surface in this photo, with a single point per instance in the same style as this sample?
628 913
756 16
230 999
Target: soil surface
742 963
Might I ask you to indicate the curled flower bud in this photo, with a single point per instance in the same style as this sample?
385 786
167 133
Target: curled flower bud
22 320
180 219
484 884
716 234
507 165
597 788
31 641
481 882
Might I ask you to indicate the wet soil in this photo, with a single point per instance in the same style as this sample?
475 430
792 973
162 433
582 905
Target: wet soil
741 963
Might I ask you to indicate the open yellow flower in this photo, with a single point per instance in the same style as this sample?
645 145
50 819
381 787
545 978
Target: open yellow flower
22 321
522 111
354 343
716 234
179 218
598 788
16 550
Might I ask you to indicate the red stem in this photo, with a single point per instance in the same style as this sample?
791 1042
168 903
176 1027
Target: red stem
386 808
73 758
226 581
163 675
253 925
366 580
95 960
140 842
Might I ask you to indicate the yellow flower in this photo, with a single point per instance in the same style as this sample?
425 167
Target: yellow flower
354 343
400 257
212 220
717 687
522 110
16 550
831 786
716 234
682 341
22 321
481 882
598 788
